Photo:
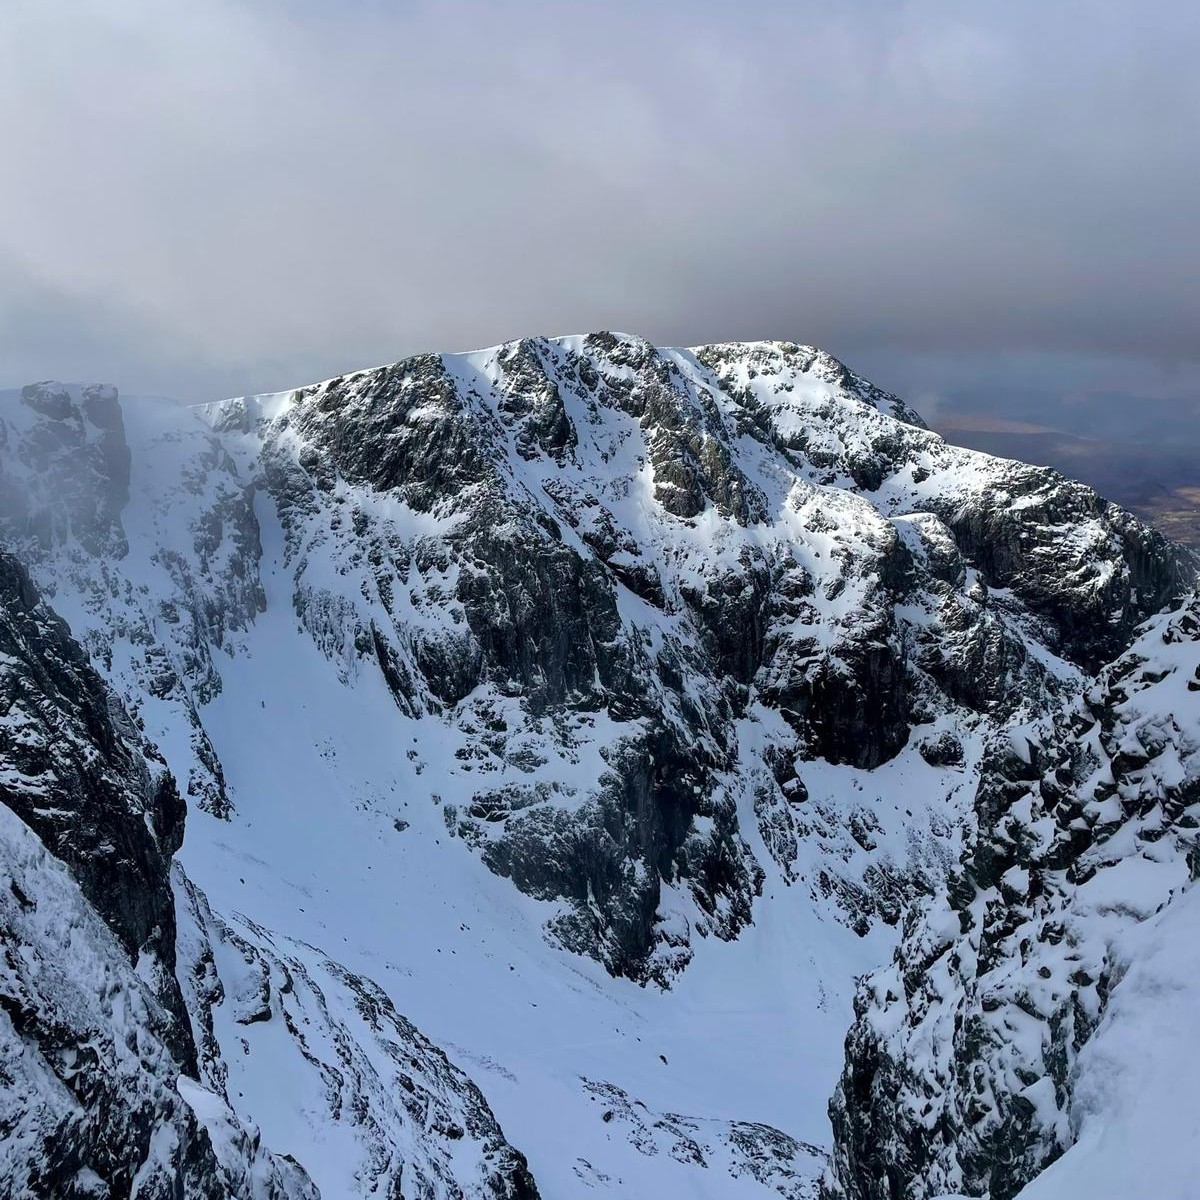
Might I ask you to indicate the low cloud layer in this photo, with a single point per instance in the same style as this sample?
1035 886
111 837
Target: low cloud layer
210 197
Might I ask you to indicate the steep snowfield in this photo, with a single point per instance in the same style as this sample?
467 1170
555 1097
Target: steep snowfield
1137 1105
584 712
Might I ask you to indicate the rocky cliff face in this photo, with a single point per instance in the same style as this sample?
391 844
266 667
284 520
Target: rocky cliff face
961 1064
647 548
654 651
155 565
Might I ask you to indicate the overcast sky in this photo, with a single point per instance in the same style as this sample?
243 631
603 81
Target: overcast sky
204 197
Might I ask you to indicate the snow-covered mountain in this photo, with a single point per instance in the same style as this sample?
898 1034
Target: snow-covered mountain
564 729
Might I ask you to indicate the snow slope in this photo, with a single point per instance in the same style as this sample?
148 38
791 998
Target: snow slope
1136 1103
319 775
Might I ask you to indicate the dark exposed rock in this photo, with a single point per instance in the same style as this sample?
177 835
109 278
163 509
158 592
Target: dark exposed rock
103 803
943 750
1015 541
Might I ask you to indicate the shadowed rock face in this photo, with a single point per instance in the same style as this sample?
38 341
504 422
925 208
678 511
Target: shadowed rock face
81 779
183 591
1019 545
79 454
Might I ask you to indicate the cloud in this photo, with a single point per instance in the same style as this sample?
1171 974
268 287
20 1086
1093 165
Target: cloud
218 195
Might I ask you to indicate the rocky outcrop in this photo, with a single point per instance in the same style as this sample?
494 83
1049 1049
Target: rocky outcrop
155 561
103 802
740 1149
960 1065
72 464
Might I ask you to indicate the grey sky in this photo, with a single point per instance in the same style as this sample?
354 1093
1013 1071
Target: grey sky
207 197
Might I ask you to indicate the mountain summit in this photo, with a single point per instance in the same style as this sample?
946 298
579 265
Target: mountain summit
577 738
